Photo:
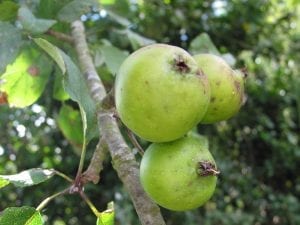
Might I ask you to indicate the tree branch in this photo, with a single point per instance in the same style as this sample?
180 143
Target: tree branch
96 164
123 159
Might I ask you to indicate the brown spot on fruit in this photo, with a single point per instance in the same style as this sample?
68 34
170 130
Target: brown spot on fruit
33 71
3 98
218 83
213 99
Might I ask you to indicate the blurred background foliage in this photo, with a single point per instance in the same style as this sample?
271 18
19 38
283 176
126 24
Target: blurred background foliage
257 151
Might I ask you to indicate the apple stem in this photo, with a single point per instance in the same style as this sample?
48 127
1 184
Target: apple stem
135 142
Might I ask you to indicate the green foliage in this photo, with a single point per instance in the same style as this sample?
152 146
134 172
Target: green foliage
73 10
21 216
69 121
107 217
32 24
8 10
25 79
10 43
27 178
257 152
53 51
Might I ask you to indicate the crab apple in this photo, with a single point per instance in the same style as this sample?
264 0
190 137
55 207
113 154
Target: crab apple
226 85
160 93
179 175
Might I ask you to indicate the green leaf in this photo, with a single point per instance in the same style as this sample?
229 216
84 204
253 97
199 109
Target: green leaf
70 123
119 19
24 215
3 182
53 51
203 44
137 40
107 2
108 216
59 92
77 88
31 23
27 178
10 43
73 10
8 10
113 57
25 79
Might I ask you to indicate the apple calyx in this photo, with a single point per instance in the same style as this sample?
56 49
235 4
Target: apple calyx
181 65
207 168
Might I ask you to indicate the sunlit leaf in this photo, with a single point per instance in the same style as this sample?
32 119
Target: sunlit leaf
33 24
53 51
3 182
25 79
27 178
21 216
107 2
10 43
73 10
108 216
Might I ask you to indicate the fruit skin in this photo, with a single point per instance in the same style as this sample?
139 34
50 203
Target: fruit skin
171 175
160 93
227 88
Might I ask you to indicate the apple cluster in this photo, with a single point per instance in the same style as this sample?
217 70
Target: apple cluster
161 93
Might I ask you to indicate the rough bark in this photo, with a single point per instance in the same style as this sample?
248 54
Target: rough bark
123 159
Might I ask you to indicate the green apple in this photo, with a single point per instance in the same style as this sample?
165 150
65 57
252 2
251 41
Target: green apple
160 92
179 175
226 85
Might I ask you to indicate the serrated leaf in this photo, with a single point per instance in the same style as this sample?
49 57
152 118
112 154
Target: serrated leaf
28 177
203 44
10 43
53 51
73 10
113 57
24 215
25 79
33 24
8 10
77 88
138 40
108 216
70 123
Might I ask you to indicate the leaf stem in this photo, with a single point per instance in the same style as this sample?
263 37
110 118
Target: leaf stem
64 176
90 204
81 163
48 199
